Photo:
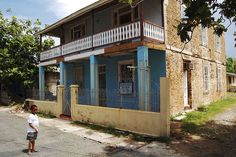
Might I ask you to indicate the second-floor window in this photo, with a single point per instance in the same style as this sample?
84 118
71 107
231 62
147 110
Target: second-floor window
78 32
217 43
125 15
203 36
182 10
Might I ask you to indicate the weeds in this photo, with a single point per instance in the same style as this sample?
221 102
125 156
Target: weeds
194 120
46 114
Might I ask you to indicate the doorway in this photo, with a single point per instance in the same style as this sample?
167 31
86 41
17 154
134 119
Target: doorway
187 87
102 85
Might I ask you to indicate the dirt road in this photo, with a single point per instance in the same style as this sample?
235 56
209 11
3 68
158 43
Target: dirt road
217 138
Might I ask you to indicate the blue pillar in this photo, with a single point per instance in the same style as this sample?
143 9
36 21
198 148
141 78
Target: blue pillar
143 78
41 82
62 73
94 80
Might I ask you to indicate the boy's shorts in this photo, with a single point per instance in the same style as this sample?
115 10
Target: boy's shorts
31 136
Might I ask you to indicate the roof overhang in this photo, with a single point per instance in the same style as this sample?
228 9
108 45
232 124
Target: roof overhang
74 15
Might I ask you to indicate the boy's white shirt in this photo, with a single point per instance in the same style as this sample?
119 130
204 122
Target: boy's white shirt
33 119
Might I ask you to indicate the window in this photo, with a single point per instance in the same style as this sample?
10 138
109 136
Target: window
78 32
203 36
126 77
206 78
217 43
78 78
125 15
218 79
182 10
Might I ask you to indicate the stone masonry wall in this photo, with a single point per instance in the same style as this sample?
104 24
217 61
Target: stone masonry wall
198 55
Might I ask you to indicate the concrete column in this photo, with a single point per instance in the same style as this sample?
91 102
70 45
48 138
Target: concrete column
74 100
60 97
164 107
94 80
41 82
143 78
62 73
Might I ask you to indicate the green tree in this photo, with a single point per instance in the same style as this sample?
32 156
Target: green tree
204 12
230 65
19 53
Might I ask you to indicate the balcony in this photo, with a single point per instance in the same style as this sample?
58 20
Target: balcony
127 32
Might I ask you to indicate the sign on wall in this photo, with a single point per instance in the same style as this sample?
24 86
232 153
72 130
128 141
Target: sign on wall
126 88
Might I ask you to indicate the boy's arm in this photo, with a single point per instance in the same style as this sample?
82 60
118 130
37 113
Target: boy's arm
36 129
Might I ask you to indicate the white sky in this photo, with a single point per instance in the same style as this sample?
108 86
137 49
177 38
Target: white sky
62 8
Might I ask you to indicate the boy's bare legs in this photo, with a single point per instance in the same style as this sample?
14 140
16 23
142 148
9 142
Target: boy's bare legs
29 147
33 146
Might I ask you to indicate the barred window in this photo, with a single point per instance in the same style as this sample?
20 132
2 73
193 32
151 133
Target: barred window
125 73
126 77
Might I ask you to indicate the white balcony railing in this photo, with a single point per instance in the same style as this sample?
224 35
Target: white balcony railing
51 53
117 34
78 45
130 31
153 31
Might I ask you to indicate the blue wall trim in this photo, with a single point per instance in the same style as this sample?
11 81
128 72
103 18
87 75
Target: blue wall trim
62 73
94 80
143 77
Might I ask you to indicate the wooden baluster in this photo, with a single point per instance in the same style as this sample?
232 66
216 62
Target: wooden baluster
122 34
112 31
115 35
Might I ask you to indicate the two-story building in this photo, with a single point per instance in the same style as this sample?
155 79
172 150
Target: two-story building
117 53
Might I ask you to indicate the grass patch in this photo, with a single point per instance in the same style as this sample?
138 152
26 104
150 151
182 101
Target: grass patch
46 114
111 130
196 119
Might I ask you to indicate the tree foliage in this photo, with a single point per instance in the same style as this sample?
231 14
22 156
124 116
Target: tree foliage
19 53
204 12
231 65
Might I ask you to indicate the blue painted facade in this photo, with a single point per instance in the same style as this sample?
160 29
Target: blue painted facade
147 65
157 66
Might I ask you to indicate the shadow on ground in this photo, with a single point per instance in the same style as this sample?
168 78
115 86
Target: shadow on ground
210 140
121 151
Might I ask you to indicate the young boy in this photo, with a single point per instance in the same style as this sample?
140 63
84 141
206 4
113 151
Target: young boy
32 129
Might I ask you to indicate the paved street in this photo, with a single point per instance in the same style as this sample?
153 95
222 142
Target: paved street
51 142
55 141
